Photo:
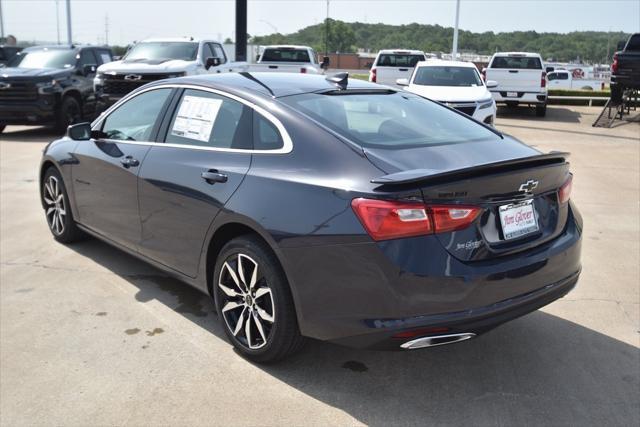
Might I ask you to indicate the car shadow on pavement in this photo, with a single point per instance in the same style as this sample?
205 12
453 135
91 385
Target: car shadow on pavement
30 134
555 113
538 369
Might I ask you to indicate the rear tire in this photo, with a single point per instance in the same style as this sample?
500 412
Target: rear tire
616 93
57 208
254 301
2 128
541 110
68 114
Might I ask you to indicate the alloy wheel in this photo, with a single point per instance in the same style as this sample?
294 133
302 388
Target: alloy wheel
55 205
247 301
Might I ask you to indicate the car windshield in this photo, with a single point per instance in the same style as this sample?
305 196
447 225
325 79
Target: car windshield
517 62
388 120
186 51
285 55
447 76
54 58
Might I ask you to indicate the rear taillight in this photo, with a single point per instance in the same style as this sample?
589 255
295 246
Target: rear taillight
483 73
564 193
543 80
614 65
386 220
373 75
303 70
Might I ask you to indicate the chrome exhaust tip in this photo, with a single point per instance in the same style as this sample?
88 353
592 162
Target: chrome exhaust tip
436 340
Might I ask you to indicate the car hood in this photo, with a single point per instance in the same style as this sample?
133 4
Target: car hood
451 93
30 73
448 157
147 66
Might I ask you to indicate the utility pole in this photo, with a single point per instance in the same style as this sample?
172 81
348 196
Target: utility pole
1 22
241 30
454 52
106 29
69 37
58 20
326 32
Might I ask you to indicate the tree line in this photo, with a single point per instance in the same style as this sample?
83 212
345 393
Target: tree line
347 37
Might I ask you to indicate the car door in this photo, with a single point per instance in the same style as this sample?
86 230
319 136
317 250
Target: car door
187 180
105 178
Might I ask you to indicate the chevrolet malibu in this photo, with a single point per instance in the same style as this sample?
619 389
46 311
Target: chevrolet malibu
321 207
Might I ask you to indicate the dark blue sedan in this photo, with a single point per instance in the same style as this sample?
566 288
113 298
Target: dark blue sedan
321 207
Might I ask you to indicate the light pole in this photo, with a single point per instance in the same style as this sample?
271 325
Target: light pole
58 20
454 51
326 32
69 37
1 22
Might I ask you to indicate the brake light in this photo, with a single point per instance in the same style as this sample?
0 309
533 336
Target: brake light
373 75
386 220
614 65
564 193
303 70
543 79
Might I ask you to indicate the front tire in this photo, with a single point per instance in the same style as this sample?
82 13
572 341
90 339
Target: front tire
57 208
254 301
68 114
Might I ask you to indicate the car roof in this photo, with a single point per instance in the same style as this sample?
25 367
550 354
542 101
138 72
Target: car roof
62 47
526 54
174 39
439 63
272 85
286 46
402 51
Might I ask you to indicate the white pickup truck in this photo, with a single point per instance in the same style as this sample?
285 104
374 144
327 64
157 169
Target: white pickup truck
521 79
391 65
563 79
290 59
156 59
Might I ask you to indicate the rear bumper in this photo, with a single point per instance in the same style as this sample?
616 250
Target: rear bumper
40 111
521 98
363 294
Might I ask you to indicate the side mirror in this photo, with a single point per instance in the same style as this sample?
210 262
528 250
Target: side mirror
402 82
87 69
211 62
549 69
325 62
79 131
620 45
116 57
491 84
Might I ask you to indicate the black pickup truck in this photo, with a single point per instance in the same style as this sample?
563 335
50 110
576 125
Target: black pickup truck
50 85
625 70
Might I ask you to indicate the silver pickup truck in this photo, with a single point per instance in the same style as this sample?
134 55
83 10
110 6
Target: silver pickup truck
290 59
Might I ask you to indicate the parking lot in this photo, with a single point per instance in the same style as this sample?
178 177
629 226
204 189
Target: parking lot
92 336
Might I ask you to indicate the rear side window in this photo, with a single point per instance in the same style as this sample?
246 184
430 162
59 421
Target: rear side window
389 120
634 43
517 62
210 120
285 55
134 120
558 76
265 134
399 60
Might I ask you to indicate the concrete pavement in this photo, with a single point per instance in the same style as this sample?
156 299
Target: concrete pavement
91 336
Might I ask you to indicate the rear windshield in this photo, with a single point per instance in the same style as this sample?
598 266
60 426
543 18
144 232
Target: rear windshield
447 76
399 60
389 120
634 43
517 62
286 55
186 51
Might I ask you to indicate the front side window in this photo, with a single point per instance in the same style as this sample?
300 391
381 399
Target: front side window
210 120
156 51
447 76
46 58
389 120
87 58
399 60
134 120
516 63
218 52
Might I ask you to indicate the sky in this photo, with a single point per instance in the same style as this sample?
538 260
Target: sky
123 21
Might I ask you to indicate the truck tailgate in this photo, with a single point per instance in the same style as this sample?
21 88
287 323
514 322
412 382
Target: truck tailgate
389 75
516 80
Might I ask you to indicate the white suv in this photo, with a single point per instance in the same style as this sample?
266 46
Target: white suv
521 79
156 59
456 84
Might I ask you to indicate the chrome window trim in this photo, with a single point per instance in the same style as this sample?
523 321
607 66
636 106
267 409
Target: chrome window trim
287 144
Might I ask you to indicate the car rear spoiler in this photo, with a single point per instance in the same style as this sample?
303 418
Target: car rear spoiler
433 176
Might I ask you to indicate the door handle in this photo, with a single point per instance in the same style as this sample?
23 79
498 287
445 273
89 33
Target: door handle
212 176
129 161
403 69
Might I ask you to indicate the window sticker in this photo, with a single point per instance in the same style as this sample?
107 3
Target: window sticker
196 117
